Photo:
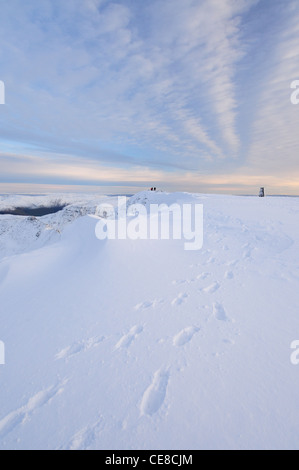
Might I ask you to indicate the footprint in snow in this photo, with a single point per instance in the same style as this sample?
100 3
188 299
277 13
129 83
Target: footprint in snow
230 342
179 282
24 413
229 275
203 276
219 312
155 394
80 346
179 299
85 438
211 260
232 263
212 288
127 339
247 251
183 281
185 336
148 304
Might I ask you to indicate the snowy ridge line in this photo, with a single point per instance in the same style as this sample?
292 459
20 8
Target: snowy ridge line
20 234
12 201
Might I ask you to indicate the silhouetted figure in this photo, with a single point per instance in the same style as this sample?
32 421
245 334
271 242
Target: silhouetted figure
262 192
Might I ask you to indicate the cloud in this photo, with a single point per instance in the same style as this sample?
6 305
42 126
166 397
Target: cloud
175 89
274 147
76 169
88 68
203 40
16 169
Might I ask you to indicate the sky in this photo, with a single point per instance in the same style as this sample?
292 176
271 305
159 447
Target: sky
187 95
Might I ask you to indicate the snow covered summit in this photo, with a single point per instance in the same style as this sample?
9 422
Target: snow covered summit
123 344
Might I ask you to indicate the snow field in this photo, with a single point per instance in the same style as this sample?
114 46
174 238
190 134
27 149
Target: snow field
126 344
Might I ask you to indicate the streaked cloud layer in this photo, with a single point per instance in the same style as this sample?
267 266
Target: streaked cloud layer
187 94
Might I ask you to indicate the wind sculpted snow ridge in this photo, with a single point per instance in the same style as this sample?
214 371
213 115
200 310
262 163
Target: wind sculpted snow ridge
20 234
